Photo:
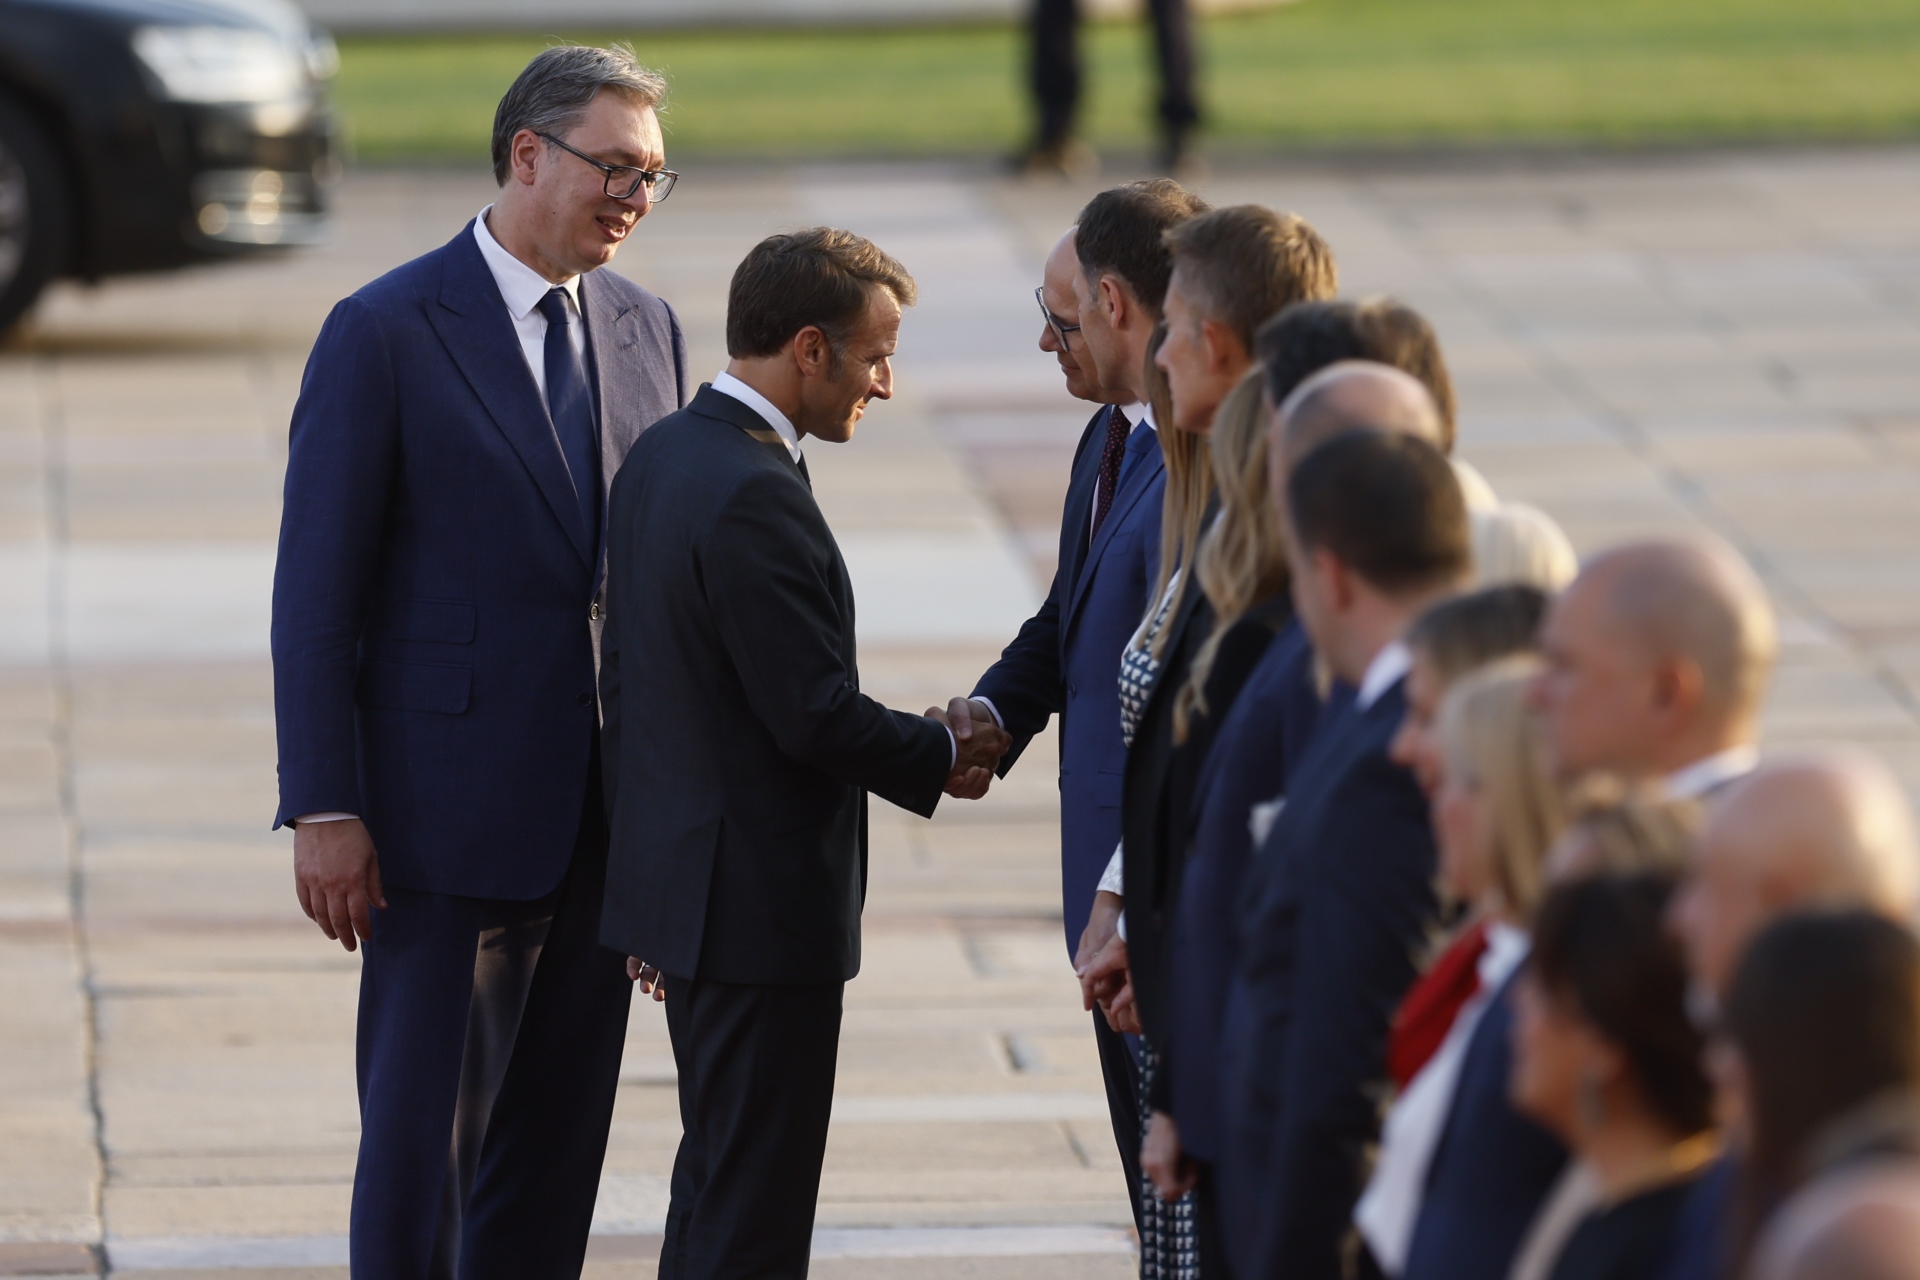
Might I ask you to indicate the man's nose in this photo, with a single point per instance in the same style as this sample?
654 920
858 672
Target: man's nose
881 388
1049 340
640 201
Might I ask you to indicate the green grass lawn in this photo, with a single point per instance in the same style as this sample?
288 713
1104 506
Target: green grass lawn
1320 73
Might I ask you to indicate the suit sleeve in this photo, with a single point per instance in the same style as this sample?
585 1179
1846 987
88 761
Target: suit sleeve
341 461
610 721
1027 685
682 382
1359 929
765 582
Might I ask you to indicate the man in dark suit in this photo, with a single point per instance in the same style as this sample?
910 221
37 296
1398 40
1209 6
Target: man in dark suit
433 641
1066 659
739 749
1340 894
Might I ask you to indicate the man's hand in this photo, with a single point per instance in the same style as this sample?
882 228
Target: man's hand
1161 1159
648 977
1107 984
1102 925
980 743
337 875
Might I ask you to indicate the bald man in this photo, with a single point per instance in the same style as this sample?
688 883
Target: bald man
1861 1225
1826 829
1658 657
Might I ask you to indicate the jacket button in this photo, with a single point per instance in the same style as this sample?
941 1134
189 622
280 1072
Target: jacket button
585 699
595 612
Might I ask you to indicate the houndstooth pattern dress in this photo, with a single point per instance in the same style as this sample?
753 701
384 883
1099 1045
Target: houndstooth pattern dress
1168 1244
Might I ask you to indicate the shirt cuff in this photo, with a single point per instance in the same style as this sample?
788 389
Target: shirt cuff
323 817
1114 878
991 710
954 743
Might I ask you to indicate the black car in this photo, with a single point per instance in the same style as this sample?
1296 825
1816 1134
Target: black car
142 134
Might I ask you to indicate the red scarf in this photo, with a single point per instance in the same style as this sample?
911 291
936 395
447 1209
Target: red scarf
1432 1003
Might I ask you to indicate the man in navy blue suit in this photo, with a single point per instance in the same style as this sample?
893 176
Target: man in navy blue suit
435 623
1103 289
1339 896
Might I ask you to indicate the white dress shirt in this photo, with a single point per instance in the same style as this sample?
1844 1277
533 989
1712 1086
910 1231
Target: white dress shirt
1388 667
728 385
1712 772
1390 1206
521 288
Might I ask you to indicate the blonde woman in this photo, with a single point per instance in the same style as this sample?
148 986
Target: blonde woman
1461 1174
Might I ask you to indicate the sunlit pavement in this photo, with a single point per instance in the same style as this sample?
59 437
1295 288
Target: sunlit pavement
1729 341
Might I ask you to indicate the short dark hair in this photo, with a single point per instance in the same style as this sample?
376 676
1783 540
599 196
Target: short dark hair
551 92
1385 503
821 276
1469 631
1122 232
1601 946
1247 262
1308 336
1825 1008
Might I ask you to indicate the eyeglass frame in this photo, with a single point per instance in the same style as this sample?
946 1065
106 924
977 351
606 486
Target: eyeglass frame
1060 330
647 176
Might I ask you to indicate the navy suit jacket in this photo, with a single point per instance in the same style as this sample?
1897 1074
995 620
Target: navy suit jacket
1699 1246
1260 737
433 652
1491 1170
1066 659
1339 901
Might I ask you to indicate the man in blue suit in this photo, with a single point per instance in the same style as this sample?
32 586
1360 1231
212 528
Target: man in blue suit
1104 286
1340 895
435 623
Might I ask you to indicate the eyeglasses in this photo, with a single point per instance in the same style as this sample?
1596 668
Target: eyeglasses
658 182
1060 328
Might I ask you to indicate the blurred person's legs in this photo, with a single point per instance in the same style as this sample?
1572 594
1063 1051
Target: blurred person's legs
1179 107
1121 1072
1054 79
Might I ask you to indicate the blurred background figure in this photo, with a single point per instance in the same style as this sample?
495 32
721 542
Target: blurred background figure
1605 1056
1055 81
1831 1097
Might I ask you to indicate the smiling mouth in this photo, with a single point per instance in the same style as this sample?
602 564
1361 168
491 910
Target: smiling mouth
616 227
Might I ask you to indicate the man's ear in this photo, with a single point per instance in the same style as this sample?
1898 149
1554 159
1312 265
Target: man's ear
1679 686
812 353
1113 296
1224 348
523 157
1336 580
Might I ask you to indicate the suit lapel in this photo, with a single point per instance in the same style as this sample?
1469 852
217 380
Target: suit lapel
1082 488
1137 481
473 323
612 332
721 407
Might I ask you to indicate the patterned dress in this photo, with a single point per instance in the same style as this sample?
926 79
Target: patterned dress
1168 1244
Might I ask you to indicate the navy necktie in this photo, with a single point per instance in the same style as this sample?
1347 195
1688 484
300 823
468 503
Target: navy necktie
571 403
1115 453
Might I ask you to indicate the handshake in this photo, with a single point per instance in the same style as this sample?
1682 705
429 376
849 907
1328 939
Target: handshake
980 741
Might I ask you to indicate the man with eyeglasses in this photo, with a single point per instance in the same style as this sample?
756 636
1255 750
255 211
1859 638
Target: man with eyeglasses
1100 294
436 622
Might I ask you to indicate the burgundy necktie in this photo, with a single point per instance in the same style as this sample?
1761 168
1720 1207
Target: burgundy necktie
1118 429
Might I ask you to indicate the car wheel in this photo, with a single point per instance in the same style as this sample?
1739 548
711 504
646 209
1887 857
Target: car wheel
33 213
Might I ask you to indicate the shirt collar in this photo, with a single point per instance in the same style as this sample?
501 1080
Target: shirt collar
520 285
728 385
1386 669
1712 772
1139 413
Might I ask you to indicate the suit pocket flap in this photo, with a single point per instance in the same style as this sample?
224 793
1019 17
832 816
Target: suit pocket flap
416 686
432 621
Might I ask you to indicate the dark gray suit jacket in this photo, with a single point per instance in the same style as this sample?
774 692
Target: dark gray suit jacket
737 744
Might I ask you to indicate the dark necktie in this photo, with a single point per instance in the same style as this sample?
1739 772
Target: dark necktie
571 404
1118 429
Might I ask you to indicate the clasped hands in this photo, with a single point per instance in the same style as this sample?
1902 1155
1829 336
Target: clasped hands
980 743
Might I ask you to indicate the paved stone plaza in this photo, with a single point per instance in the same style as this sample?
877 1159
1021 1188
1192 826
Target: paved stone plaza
1722 340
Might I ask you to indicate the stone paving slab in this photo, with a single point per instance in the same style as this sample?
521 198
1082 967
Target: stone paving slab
1719 341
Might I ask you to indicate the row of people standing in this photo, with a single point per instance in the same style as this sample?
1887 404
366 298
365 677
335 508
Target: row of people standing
1360 807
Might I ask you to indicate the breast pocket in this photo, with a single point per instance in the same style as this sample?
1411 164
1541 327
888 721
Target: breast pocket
415 686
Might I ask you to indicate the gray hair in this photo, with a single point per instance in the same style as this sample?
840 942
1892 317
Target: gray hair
552 94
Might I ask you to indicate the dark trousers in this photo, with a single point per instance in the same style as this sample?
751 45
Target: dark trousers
1121 1070
1209 1237
756 1068
1056 82
489 1054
